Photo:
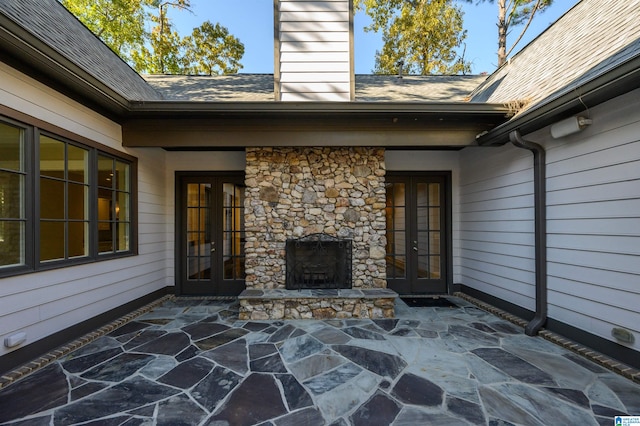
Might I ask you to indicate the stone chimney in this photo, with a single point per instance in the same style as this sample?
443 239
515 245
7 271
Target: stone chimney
314 50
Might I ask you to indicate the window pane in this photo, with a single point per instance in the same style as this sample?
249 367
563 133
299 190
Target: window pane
51 199
122 207
78 201
11 243
11 205
11 147
122 176
123 236
78 239
78 164
51 240
105 171
52 161
105 237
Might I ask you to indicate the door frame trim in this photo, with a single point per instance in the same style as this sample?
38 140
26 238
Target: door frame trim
180 219
448 214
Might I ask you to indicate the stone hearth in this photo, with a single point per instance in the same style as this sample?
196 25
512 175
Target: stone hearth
293 192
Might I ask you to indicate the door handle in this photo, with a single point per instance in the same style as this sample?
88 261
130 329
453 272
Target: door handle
415 249
212 250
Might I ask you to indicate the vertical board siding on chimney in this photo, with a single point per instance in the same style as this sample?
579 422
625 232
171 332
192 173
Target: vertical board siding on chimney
314 50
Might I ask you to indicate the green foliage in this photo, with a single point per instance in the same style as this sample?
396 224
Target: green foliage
119 23
160 50
212 50
424 35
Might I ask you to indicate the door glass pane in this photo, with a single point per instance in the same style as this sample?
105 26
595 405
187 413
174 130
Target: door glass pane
396 231
233 231
423 267
436 273
422 195
199 262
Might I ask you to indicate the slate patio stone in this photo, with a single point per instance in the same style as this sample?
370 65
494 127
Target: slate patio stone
255 400
215 387
204 329
43 390
179 411
431 366
82 363
383 364
188 373
514 366
124 396
467 410
295 395
269 364
168 344
119 368
233 356
306 417
221 338
332 379
415 390
380 409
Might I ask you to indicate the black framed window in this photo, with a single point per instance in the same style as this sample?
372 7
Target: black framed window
13 182
114 205
62 201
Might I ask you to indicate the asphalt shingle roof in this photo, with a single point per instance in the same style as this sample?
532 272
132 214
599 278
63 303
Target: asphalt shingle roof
51 23
589 40
369 88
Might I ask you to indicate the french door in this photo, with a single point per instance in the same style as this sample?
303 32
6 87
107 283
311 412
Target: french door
209 234
417 216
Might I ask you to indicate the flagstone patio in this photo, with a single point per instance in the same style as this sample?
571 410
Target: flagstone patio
192 362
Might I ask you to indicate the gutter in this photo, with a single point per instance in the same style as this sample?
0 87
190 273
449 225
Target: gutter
540 219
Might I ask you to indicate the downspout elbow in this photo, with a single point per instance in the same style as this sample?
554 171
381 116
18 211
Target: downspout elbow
540 209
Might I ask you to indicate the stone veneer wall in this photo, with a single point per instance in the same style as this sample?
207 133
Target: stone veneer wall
293 192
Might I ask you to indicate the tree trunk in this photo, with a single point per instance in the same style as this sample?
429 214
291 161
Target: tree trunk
502 32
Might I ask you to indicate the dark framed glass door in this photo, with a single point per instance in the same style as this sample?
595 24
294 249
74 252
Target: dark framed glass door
210 234
417 233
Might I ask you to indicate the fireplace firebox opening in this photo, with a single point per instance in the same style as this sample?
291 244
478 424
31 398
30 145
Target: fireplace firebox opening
318 261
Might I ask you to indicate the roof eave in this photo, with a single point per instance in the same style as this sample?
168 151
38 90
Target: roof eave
40 61
618 81
155 108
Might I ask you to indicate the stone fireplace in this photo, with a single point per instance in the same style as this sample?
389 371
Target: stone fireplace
295 193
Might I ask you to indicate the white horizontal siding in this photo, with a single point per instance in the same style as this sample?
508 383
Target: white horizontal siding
314 51
593 221
44 303
496 223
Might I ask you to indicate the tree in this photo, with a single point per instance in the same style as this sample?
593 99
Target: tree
512 13
212 50
422 35
119 23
